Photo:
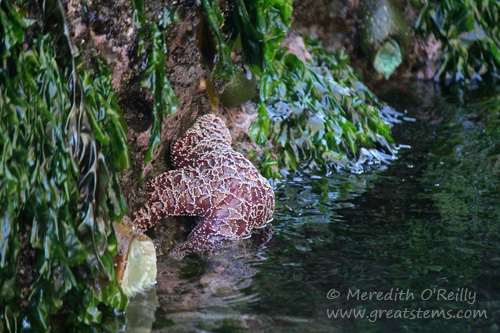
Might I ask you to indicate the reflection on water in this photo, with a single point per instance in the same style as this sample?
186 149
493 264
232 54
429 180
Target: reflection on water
141 311
426 225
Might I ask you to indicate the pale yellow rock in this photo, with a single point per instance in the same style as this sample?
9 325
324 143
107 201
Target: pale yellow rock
135 263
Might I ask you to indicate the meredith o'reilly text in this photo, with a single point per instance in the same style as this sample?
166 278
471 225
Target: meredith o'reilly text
397 294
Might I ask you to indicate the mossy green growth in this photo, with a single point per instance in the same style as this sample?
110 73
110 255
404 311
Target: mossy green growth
240 88
319 115
58 194
383 34
470 33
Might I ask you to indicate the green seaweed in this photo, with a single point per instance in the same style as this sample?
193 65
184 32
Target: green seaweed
57 191
154 75
260 26
470 33
319 115
223 66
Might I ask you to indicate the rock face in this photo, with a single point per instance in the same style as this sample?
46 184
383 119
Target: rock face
211 181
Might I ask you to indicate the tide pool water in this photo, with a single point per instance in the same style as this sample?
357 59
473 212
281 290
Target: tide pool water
409 246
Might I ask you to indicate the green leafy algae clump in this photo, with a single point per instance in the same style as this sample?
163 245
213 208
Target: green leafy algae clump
258 27
58 194
320 114
470 33
154 70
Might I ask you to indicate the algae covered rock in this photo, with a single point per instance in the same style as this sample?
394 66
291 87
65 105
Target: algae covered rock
383 34
240 88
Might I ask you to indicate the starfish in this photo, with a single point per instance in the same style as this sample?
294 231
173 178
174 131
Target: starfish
211 181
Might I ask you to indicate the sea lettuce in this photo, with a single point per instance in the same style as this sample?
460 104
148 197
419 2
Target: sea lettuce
154 77
257 26
58 193
470 33
320 114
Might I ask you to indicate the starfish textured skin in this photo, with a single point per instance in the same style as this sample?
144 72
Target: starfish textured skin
211 181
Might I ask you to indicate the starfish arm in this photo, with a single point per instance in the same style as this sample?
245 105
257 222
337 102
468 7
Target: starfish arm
173 193
203 238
